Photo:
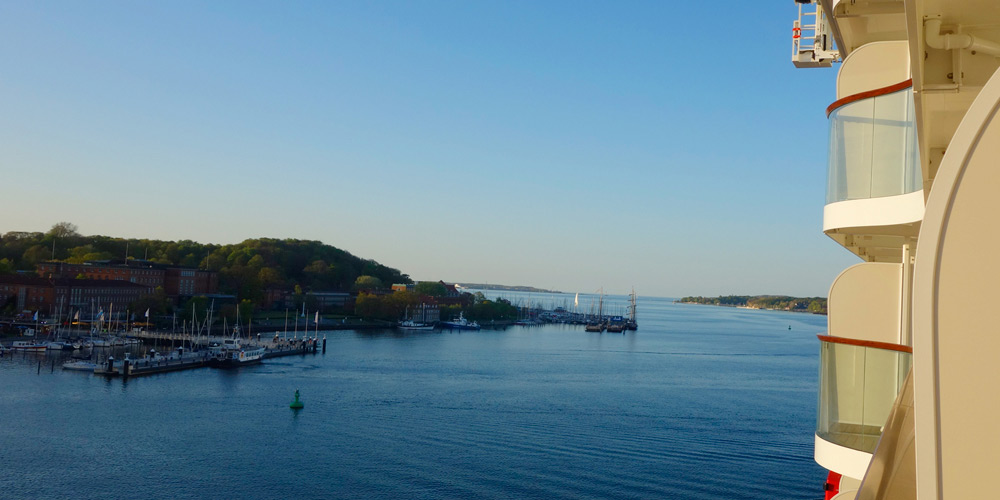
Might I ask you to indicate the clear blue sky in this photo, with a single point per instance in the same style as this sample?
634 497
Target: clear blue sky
569 145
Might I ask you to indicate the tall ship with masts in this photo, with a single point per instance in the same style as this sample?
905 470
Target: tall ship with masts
630 323
906 407
596 322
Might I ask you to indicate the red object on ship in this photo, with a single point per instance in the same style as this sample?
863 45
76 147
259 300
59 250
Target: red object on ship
832 485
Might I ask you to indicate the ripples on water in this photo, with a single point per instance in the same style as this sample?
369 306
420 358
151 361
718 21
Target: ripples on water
701 403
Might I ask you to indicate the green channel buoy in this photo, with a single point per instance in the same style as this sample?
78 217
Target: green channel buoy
296 405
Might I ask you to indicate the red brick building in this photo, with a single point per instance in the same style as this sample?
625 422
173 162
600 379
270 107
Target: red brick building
175 281
184 282
133 273
55 295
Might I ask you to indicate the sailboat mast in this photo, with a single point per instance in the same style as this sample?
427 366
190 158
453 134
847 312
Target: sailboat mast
194 321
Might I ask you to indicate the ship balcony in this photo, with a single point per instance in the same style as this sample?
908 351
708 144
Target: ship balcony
858 383
874 184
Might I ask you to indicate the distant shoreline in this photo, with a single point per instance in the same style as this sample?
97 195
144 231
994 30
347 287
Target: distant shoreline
506 288
814 305
751 308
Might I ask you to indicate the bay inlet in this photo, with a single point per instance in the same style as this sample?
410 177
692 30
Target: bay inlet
700 403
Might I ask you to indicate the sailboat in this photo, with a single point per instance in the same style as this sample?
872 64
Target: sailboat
596 324
631 324
410 324
232 354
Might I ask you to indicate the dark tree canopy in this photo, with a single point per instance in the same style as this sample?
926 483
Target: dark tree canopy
245 269
431 288
63 230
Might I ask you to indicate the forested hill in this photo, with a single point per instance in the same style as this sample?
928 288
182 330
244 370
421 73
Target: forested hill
779 302
245 269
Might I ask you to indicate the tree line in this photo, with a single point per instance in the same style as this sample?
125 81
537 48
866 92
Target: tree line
815 305
245 269
393 307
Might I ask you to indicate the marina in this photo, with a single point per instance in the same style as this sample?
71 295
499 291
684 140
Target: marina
148 352
220 356
214 351
522 412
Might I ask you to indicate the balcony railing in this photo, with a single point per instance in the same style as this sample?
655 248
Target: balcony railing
873 145
858 382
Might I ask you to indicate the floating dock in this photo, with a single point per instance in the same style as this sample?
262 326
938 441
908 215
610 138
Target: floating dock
198 359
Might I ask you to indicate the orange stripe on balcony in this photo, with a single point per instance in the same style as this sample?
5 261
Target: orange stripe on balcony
868 93
865 343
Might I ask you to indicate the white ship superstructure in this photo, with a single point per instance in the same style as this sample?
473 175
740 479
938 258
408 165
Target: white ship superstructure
906 409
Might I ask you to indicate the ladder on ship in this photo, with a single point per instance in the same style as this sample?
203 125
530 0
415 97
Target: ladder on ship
812 42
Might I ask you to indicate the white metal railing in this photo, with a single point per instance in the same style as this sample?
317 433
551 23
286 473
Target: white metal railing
812 43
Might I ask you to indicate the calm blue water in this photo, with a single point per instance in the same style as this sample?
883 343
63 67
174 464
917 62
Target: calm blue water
702 403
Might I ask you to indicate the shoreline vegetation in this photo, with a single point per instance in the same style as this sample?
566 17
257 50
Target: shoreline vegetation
506 288
815 305
261 278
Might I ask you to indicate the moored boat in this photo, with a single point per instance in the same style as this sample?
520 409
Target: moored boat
460 324
99 342
616 325
231 354
413 325
28 345
631 324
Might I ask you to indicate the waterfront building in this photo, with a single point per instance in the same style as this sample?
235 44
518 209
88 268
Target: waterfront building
52 296
426 314
131 271
279 297
904 406
329 300
187 282
176 281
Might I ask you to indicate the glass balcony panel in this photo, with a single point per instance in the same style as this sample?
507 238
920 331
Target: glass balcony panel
858 385
889 132
913 179
873 149
851 134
